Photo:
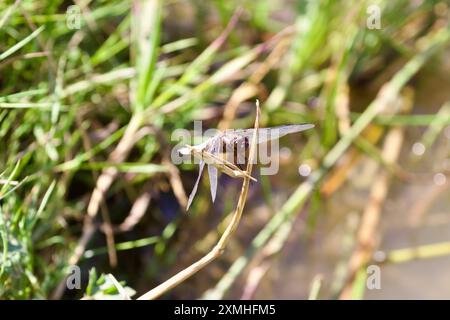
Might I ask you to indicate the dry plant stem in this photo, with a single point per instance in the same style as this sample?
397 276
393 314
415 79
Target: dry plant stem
254 279
175 182
367 237
138 209
109 233
224 239
264 260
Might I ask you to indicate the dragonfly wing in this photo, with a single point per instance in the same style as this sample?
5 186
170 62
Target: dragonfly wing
212 172
267 134
194 190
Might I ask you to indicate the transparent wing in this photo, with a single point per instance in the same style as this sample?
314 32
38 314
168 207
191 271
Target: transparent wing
212 171
194 190
267 134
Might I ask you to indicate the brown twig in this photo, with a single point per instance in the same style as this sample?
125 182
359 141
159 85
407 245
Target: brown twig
138 209
109 233
367 238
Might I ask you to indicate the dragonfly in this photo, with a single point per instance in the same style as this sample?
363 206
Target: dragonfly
238 142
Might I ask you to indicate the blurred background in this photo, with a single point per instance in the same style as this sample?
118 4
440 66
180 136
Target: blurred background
91 91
